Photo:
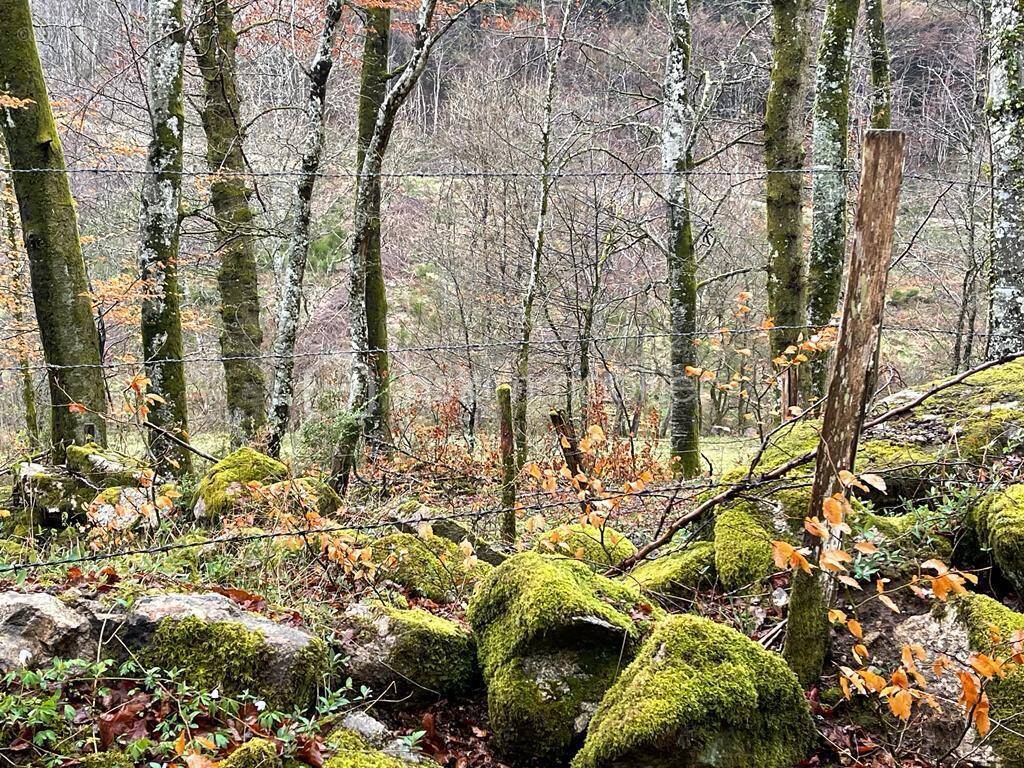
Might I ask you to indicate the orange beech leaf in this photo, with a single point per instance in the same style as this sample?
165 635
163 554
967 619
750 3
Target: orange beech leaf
986 666
866 547
855 629
900 703
981 715
836 616
888 603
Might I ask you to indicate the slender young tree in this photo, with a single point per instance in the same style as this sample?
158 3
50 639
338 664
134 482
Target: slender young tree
830 157
881 75
373 85
521 365
677 154
1006 120
784 157
160 225
290 300
16 268
49 227
241 338
365 394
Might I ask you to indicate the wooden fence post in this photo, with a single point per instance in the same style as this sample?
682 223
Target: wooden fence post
807 631
508 464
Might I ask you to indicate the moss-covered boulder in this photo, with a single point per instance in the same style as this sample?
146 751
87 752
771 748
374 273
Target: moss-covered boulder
407 651
599 547
677 574
427 566
102 467
987 620
743 546
48 496
225 483
410 514
551 635
216 644
303 493
998 523
257 753
700 694
352 751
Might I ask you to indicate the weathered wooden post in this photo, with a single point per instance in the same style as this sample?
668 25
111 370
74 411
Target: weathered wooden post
508 464
807 632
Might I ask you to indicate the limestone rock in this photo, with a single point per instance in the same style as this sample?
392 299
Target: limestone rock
36 628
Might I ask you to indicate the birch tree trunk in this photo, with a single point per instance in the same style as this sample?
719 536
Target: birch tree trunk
1006 119
49 227
372 92
521 364
784 157
160 227
830 158
241 338
676 149
290 301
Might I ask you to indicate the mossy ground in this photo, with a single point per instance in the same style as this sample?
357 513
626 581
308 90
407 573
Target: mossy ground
257 753
700 693
600 548
430 567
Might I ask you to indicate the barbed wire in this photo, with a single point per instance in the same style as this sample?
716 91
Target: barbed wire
478 346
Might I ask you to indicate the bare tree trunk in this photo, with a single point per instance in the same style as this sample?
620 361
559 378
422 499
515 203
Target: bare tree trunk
784 157
290 300
160 224
830 153
1006 117
49 226
241 337
521 364
676 149
807 629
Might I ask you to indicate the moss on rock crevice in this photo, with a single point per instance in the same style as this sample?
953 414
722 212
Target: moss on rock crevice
998 523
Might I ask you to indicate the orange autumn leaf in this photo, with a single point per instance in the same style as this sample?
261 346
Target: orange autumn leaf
900 703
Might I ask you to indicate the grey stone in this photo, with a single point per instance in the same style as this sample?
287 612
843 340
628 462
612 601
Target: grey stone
37 628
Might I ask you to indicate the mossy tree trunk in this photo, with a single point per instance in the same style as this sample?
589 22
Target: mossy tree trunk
49 228
160 226
807 629
508 464
372 91
830 158
545 182
677 151
290 301
784 157
881 75
16 267
1006 120
241 338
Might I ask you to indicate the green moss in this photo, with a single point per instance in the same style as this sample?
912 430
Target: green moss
352 751
807 629
979 614
308 488
257 753
743 546
245 465
103 467
228 656
105 760
998 522
599 548
531 599
677 574
431 567
700 694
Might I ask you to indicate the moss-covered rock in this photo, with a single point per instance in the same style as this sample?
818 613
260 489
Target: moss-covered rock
410 514
49 496
102 467
104 760
352 751
550 637
677 574
217 645
998 523
981 615
408 651
257 753
226 480
700 694
430 567
600 548
303 493
743 546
